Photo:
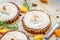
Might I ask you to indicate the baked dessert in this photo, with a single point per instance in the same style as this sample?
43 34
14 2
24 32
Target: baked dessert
36 22
9 12
15 35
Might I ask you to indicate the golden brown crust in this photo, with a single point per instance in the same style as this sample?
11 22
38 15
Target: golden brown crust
35 31
16 17
18 31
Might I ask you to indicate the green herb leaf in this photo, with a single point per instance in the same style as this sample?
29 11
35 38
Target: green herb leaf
27 4
10 26
1 23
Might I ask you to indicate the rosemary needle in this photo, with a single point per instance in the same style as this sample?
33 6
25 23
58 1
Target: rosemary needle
27 4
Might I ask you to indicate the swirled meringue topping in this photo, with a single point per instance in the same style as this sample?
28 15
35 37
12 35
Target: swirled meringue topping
14 35
7 11
36 19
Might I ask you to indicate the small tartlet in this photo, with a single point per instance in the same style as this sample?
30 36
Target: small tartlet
15 31
36 30
9 18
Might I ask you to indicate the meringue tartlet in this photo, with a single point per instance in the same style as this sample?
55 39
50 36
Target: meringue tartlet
36 22
9 12
15 35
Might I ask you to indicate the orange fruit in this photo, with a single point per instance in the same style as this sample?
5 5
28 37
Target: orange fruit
23 9
38 36
43 1
57 32
4 30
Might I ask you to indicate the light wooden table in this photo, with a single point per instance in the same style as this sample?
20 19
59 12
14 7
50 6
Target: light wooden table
40 6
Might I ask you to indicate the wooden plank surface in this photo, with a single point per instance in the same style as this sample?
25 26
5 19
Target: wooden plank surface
40 6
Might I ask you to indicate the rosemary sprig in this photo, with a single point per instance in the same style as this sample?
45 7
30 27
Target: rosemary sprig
27 4
10 26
